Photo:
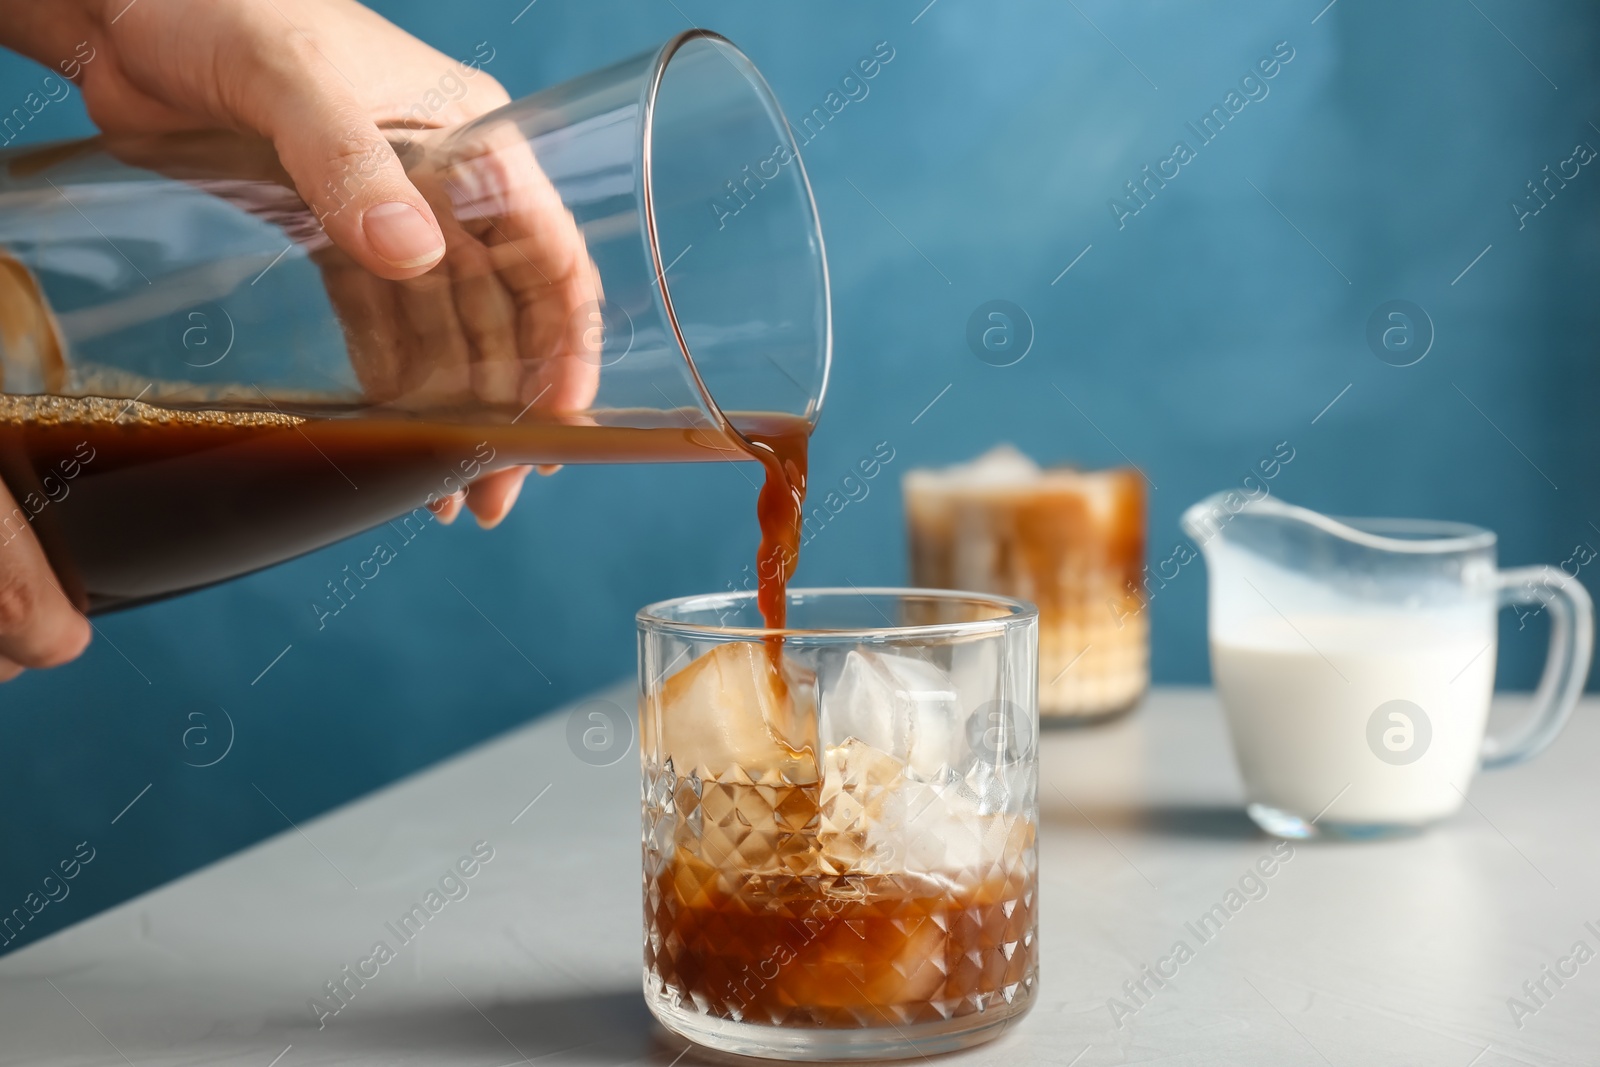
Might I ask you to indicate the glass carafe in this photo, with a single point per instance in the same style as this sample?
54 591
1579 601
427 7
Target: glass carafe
197 383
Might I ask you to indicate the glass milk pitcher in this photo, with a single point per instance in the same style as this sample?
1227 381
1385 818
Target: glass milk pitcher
1355 660
195 383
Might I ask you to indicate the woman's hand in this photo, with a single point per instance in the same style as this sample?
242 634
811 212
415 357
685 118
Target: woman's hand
314 77
320 79
39 626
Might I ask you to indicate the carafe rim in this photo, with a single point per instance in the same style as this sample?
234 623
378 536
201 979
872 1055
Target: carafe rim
1402 536
651 92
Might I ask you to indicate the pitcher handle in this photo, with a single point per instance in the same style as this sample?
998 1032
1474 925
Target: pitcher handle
1565 669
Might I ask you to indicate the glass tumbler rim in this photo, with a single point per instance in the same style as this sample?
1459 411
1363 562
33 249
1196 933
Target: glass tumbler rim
647 199
1011 613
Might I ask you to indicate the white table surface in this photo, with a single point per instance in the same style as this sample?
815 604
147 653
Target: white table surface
1402 952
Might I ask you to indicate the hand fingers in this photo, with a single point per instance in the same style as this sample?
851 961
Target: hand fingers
484 311
445 509
436 362
115 103
489 319
341 163
39 627
366 307
562 371
490 498
537 252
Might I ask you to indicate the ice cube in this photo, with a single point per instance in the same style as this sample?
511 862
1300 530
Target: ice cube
950 835
863 809
877 820
904 706
732 715
1002 465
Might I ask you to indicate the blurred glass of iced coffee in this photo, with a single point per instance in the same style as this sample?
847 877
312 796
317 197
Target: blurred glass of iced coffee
1071 542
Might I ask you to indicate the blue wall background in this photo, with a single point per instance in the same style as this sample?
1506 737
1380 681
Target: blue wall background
1196 337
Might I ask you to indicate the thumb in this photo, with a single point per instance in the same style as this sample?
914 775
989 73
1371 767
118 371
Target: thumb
345 169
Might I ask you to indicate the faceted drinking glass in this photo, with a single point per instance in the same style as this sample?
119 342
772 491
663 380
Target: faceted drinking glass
839 821
1071 542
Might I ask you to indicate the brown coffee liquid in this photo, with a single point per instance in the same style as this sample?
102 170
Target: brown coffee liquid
792 946
780 511
134 502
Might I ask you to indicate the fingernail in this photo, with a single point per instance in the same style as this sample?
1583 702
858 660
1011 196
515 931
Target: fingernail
398 232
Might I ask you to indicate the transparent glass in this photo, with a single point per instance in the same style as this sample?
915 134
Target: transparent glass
634 272
839 821
1355 660
1072 543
